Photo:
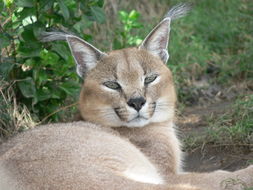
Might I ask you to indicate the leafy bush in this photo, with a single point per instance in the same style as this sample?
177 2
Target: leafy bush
44 74
125 34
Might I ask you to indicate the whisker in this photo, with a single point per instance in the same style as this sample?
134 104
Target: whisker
101 110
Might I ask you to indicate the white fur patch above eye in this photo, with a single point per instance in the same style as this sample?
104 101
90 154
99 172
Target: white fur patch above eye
108 89
156 81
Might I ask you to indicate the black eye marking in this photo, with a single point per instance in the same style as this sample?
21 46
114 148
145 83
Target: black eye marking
112 85
117 111
150 79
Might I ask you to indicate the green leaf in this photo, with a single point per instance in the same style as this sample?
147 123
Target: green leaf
82 24
64 9
5 69
100 3
28 34
29 49
2 6
8 3
30 63
49 58
46 4
136 25
4 41
26 12
134 15
40 76
27 87
43 94
25 3
70 87
123 15
37 28
98 14
62 50
56 93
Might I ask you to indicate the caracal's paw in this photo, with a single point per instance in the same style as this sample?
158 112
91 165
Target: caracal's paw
240 180
246 175
185 187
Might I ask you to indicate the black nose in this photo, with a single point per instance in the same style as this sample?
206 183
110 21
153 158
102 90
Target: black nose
136 103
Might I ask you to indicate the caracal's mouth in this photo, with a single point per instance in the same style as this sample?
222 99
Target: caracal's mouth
137 122
138 118
127 116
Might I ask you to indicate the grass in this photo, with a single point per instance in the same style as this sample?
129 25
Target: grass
231 129
235 126
14 117
215 40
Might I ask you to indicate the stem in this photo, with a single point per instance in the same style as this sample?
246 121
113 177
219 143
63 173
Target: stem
14 50
37 9
58 110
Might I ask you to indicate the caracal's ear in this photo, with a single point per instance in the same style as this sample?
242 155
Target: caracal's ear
86 55
157 40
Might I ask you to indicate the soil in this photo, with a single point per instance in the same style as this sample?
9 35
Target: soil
210 157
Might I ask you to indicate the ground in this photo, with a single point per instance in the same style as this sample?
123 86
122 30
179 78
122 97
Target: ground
201 155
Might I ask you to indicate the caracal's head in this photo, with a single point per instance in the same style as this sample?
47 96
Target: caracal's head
129 87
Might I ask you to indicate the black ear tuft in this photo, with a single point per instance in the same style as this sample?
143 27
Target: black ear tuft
157 40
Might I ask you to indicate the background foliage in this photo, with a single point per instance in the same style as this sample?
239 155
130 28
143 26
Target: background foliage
44 74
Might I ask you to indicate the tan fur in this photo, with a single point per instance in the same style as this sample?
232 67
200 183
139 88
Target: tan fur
128 66
158 140
118 146
73 156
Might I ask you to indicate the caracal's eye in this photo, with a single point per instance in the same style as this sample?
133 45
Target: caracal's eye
149 79
112 85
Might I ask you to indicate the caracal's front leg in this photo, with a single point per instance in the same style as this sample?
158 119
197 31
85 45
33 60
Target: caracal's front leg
217 180
159 143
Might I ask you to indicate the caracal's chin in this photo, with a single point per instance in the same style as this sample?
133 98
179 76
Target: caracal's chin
137 122
158 116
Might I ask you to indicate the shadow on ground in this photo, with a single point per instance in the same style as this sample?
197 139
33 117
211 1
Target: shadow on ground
192 122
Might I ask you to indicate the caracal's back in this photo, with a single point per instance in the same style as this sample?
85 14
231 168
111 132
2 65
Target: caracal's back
74 156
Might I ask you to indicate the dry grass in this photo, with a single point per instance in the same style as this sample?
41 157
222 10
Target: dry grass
14 117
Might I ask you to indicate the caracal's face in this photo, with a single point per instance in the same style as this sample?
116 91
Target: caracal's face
128 87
